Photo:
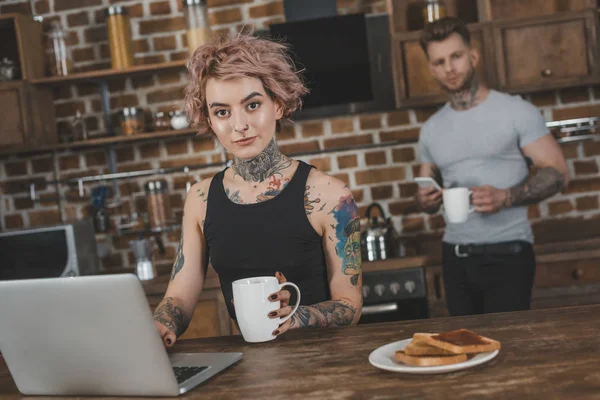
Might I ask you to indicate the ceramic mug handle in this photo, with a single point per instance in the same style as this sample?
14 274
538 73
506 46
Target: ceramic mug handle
281 286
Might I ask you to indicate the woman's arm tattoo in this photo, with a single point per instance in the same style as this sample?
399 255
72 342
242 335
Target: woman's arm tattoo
171 316
321 315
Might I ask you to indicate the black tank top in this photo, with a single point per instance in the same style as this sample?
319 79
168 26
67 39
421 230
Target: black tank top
247 240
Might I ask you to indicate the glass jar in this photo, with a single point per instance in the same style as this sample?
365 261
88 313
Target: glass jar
198 28
60 63
434 10
132 120
159 206
162 121
119 37
179 120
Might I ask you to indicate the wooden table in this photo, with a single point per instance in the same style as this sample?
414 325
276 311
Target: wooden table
546 354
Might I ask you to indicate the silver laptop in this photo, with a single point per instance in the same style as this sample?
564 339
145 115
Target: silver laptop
93 335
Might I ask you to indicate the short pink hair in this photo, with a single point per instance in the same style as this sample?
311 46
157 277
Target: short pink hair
242 55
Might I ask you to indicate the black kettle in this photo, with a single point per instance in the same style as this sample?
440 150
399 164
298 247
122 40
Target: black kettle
378 236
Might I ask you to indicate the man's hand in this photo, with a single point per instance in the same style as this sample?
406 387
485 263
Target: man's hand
429 199
488 199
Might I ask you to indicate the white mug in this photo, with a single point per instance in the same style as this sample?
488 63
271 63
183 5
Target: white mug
457 204
252 307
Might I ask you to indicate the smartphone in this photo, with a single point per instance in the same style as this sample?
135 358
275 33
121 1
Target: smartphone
427 182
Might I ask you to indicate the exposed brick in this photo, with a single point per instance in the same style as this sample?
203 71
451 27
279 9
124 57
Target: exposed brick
227 16
408 189
436 222
299 147
348 161
560 207
348 141
124 154
343 177
122 101
162 25
150 150
83 54
405 154
15 168
570 150
91 123
178 146
169 77
358 195
44 217
591 148
287 132
78 19
19 8
203 143
182 55
533 211
403 208
585 167
14 221
370 122
406 135
398 118
164 95
576 112
574 95
382 192
219 3
266 10
311 129
424 113
95 158
69 109
180 182
176 201
587 203
182 162
140 82
165 43
23 203
62 5
134 167
140 46
41 165
42 7
413 224
380 175
160 8
542 99
129 187
135 11
69 162
375 158
96 34
149 59
321 163
342 125
61 92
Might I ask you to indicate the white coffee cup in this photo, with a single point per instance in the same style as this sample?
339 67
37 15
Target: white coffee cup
252 307
457 204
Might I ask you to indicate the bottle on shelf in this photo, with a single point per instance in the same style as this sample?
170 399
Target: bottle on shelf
60 63
434 10
198 27
119 37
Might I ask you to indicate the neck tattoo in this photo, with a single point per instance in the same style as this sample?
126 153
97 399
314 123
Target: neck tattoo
269 162
467 97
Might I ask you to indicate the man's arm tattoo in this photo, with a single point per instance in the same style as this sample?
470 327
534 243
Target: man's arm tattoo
545 183
322 315
171 316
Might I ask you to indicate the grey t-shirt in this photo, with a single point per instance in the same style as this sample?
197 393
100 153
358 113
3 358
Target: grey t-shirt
482 146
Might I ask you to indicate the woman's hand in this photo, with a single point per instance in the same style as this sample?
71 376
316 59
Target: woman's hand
285 310
168 336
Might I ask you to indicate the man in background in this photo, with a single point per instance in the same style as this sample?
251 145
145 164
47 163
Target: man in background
485 140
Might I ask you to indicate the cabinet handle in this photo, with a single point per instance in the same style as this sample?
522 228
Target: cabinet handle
546 73
578 273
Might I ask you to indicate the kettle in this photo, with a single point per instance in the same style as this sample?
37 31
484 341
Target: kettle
378 236
142 251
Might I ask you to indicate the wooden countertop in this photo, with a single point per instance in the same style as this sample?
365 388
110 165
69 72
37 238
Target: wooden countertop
552 353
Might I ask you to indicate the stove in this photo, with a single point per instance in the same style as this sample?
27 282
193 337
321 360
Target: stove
394 295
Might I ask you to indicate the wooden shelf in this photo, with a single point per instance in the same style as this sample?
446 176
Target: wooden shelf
110 73
98 142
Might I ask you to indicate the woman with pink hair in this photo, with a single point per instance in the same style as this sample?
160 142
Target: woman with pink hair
267 214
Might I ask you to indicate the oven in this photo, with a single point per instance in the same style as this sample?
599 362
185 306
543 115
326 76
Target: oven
394 295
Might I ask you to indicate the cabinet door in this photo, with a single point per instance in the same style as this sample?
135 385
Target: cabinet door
547 53
414 83
12 124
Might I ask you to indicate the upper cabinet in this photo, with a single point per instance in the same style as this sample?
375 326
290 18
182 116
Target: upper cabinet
549 52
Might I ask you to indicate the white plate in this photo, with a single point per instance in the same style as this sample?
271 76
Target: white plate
385 358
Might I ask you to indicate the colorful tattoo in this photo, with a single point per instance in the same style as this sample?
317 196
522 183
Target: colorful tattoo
308 203
347 232
275 187
171 316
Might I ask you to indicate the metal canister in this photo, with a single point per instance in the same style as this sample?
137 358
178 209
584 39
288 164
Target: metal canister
159 208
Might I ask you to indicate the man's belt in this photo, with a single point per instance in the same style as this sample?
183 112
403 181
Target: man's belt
492 249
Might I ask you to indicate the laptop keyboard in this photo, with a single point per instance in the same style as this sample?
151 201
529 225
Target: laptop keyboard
184 373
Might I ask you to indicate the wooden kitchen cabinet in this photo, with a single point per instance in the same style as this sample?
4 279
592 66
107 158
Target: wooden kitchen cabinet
28 116
547 52
415 85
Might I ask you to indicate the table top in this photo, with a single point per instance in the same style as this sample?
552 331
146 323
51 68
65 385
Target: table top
545 354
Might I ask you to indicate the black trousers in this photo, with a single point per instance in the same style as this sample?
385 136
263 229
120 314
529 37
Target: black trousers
488 282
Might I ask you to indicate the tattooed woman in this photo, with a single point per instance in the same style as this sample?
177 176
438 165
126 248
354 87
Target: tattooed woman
268 214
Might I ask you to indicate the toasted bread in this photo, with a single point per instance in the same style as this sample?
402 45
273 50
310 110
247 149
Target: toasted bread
418 347
429 361
461 341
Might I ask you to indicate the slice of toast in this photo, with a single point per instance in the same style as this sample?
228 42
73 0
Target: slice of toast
461 341
417 347
429 361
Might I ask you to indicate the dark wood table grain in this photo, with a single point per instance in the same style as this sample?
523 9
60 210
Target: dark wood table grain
546 354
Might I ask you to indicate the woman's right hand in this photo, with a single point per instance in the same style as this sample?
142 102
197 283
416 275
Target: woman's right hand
168 336
429 199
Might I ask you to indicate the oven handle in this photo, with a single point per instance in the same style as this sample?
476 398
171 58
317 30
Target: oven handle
379 309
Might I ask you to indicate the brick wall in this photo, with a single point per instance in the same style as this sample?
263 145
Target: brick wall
383 175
